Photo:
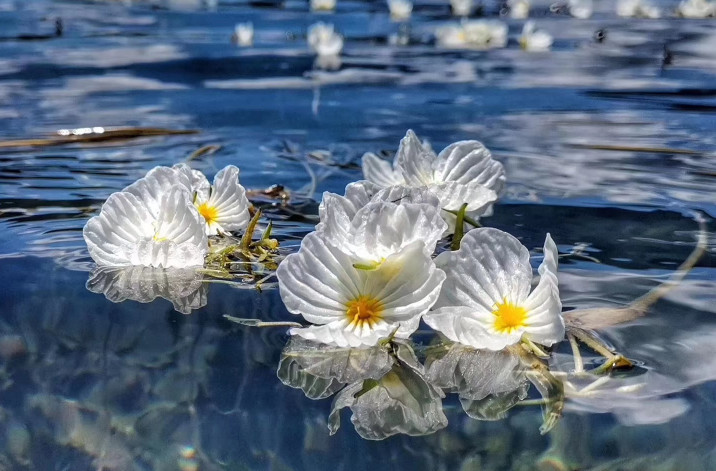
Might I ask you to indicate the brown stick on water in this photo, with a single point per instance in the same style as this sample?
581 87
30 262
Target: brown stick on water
88 136
602 317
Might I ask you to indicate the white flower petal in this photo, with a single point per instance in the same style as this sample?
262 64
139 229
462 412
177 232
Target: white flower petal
490 267
464 325
229 199
155 184
199 184
179 220
415 162
380 172
545 324
317 281
399 194
470 162
340 334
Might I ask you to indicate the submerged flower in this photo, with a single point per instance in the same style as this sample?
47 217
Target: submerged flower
475 34
131 230
354 306
519 9
223 205
400 9
323 39
461 7
533 39
463 173
323 5
244 34
696 9
637 9
486 301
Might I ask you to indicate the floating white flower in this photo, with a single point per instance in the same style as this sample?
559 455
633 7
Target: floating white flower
486 301
519 9
353 306
696 9
464 172
393 219
533 39
581 9
400 9
323 39
244 34
223 205
162 230
461 7
475 34
637 9
323 5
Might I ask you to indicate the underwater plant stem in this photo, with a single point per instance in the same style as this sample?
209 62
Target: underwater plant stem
249 234
260 323
459 228
578 363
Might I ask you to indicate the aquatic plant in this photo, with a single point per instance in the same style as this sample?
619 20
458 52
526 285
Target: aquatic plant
400 9
223 205
473 34
243 34
322 5
637 9
533 39
463 173
324 40
519 9
461 7
581 9
696 9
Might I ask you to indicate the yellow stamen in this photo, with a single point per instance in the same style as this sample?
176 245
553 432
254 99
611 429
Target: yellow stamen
364 310
210 213
509 317
158 238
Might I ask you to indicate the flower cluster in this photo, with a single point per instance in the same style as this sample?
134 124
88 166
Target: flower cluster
367 273
164 219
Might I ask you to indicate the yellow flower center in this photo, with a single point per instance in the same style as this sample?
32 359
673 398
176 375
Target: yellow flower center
509 317
364 310
210 213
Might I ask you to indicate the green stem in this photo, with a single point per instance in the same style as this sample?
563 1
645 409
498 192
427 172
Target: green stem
459 228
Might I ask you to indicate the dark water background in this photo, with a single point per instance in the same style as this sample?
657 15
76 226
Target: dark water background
86 383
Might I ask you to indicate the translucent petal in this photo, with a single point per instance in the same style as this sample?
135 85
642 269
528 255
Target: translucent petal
179 220
471 327
199 184
156 183
229 199
470 162
380 172
545 324
415 162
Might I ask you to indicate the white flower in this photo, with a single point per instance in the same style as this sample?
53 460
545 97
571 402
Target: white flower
323 5
486 301
519 9
637 9
696 9
461 7
400 9
393 219
581 9
165 231
533 39
323 39
223 205
464 172
244 34
475 34
355 307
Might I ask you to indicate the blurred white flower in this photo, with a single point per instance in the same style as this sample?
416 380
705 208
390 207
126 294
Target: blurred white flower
519 9
461 7
475 34
533 39
323 39
637 9
400 9
581 9
244 34
162 232
323 5
696 9
464 172
353 306
223 205
486 301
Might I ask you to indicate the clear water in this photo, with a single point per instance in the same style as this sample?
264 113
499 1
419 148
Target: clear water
603 145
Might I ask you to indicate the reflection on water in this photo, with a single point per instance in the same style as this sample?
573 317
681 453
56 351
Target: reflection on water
607 144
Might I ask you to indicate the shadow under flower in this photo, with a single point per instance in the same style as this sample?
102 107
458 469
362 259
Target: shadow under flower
183 287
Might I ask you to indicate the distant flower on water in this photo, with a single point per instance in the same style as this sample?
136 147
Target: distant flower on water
223 205
533 39
324 40
581 9
696 9
519 9
461 7
400 9
323 5
244 34
464 172
364 286
486 300
475 34
637 9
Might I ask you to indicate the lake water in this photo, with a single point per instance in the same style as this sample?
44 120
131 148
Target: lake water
606 147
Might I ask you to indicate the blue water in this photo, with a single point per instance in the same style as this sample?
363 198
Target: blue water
87 383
